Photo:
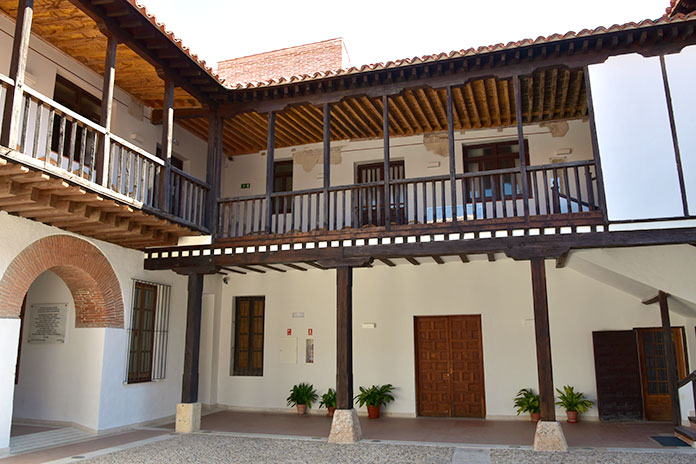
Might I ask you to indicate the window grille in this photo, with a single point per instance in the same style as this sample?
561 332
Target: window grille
148 332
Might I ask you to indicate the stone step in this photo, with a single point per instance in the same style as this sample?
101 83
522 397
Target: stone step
686 434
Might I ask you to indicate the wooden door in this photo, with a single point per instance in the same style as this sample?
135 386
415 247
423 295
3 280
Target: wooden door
370 200
617 372
653 369
449 366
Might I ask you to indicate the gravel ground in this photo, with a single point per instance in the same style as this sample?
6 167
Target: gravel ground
229 449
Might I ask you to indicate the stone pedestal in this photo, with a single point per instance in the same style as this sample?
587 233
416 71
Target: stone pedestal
345 427
549 437
188 417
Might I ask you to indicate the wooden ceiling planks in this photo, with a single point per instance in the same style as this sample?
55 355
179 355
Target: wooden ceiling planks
548 94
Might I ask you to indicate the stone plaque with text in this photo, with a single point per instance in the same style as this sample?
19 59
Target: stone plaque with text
47 323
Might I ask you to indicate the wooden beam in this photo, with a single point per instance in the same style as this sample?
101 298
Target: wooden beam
270 155
387 168
104 148
18 65
273 268
652 300
315 265
387 262
438 259
344 337
295 267
543 340
167 137
179 114
595 146
189 386
522 145
252 269
327 162
412 260
235 271
213 171
451 158
562 260
491 257
670 354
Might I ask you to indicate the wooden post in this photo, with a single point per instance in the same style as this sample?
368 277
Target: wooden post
327 164
543 340
595 146
523 147
212 175
189 386
344 337
18 65
270 158
452 161
104 149
675 138
165 196
670 354
387 168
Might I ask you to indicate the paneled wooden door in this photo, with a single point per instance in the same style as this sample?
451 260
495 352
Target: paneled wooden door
449 366
653 369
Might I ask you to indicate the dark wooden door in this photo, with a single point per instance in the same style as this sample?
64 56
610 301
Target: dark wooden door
653 370
617 374
449 366
370 199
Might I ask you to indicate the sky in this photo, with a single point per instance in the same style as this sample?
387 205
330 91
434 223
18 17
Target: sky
382 30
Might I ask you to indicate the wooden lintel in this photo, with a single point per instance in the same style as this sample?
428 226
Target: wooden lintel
345 262
526 252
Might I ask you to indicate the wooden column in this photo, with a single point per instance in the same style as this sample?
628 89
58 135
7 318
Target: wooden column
543 340
270 158
452 161
344 337
189 386
18 65
104 149
595 146
675 138
327 164
523 148
212 175
387 168
670 353
165 196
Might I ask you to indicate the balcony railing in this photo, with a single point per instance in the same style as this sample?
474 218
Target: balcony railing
557 192
58 140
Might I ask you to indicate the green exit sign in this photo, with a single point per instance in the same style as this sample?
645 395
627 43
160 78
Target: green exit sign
246 186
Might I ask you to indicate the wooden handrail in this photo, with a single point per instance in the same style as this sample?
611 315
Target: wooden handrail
66 111
190 178
6 80
689 378
571 164
135 149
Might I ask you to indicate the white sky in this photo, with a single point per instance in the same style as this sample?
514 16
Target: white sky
382 30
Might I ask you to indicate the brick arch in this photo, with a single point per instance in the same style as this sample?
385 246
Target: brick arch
83 268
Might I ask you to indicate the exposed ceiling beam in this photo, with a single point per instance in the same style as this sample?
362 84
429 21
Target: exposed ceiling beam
387 262
562 260
235 271
438 259
272 268
296 267
412 260
249 268
491 257
464 258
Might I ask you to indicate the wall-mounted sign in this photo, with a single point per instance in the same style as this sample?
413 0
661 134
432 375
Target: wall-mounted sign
246 186
309 353
310 332
289 332
47 323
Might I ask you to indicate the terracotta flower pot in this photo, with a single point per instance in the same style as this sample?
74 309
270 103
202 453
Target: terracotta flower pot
535 416
373 412
331 411
572 417
301 409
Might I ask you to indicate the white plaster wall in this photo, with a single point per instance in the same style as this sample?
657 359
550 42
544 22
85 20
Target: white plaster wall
9 338
59 382
390 297
680 73
45 61
251 168
119 404
635 139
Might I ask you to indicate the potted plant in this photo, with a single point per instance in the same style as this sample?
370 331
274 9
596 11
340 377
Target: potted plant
573 402
302 396
527 401
374 397
328 400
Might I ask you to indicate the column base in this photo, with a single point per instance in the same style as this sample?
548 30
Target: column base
345 427
188 417
549 437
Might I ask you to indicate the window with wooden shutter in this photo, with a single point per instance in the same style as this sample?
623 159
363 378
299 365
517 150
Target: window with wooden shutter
248 336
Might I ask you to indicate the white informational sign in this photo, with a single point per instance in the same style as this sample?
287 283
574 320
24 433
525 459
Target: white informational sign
47 323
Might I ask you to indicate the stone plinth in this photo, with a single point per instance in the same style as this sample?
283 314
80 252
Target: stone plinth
345 427
549 437
188 417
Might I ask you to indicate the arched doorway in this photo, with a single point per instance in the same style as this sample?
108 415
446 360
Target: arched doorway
64 281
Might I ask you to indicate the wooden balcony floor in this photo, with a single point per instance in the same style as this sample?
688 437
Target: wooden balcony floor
37 195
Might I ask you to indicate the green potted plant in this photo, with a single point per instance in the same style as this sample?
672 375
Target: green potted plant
527 401
328 400
374 397
573 402
302 396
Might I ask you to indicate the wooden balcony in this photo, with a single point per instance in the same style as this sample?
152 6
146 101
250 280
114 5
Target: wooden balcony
557 195
69 172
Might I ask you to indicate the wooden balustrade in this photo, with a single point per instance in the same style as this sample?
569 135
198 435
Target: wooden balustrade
557 189
57 139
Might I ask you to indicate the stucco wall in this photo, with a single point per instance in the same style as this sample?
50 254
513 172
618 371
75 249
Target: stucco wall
390 297
117 403
45 61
